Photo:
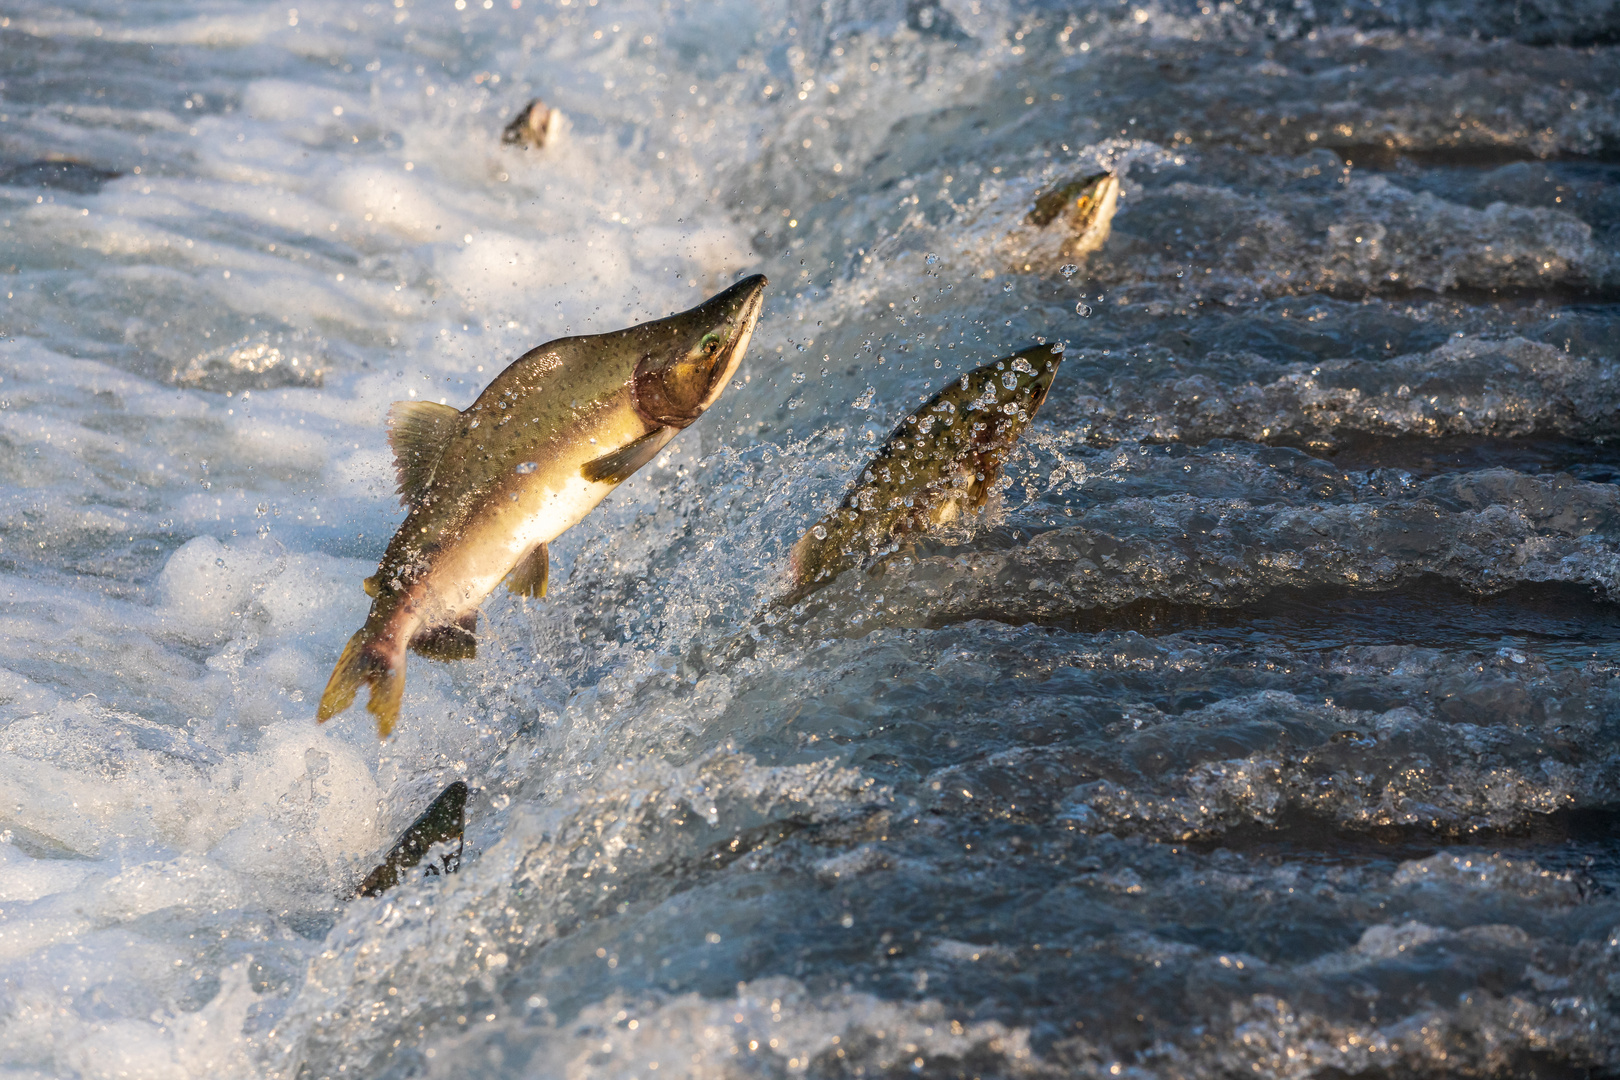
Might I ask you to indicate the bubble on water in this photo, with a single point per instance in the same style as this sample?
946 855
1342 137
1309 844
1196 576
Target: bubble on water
526 468
1068 270
1083 310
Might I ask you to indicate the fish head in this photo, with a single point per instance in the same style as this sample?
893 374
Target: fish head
1020 381
1079 199
1091 214
691 356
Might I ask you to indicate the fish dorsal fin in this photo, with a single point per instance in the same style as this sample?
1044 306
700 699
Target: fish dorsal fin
617 466
418 430
528 578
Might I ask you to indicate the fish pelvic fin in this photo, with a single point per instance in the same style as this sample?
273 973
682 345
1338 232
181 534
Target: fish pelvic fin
361 665
417 433
615 467
529 577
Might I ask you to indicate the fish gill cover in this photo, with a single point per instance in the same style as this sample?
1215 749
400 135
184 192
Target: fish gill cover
1265 723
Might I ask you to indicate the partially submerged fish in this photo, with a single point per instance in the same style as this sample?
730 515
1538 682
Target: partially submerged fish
441 823
941 462
1070 219
488 487
537 125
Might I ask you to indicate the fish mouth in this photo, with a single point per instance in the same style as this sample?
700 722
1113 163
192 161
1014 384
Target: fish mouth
753 304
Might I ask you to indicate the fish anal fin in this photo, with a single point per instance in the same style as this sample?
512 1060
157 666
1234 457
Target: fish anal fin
615 467
449 641
528 578
417 432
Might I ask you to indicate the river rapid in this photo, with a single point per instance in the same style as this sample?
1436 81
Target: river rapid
1267 723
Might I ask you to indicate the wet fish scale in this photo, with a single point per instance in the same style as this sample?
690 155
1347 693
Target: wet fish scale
942 460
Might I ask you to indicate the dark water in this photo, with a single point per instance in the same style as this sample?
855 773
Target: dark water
1267 725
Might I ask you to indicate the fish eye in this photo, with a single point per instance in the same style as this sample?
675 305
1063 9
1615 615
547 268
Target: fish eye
710 343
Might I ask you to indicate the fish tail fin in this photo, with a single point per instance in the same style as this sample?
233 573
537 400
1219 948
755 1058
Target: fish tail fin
387 688
363 664
353 668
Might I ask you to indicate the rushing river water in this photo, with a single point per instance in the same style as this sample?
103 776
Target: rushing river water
1268 724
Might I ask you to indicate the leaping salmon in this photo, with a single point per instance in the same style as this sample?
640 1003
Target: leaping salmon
488 487
942 461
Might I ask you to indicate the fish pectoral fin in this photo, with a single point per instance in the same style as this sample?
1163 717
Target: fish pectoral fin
450 641
617 466
528 578
370 585
417 432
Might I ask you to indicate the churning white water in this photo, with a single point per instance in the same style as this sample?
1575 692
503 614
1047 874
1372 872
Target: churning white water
1266 725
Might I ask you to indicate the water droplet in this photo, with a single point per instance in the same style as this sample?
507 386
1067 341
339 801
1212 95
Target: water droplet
938 364
1007 287
932 259
513 496
1057 348
219 562
1083 310
798 376
1009 380
527 467
819 532
1068 270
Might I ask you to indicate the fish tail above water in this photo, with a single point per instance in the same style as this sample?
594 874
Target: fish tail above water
365 663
